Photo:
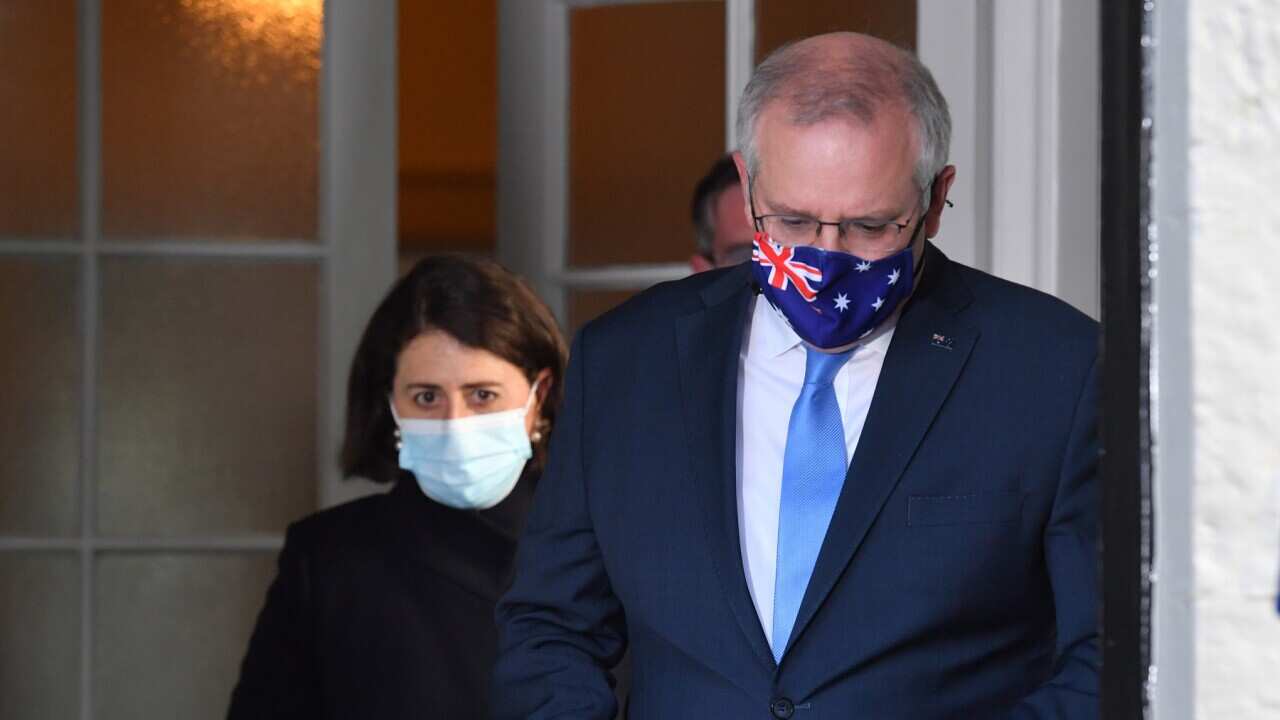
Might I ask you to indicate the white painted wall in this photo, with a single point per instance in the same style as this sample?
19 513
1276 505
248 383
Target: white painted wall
1234 158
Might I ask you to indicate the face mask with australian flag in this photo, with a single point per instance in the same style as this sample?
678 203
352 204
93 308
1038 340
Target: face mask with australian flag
831 299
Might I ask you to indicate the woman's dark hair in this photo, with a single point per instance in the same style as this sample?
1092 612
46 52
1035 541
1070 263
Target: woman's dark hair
478 302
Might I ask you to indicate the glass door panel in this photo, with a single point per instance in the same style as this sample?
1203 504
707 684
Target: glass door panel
210 124
39 191
646 119
39 396
208 408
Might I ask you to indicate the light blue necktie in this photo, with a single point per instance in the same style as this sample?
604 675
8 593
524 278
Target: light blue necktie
813 469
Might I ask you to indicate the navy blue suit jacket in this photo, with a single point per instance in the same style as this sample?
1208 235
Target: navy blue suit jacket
957 579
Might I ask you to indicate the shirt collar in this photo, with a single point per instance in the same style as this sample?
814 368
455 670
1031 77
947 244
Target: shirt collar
776 337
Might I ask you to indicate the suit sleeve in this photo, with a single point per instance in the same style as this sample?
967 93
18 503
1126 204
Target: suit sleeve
560 626
1070 548
279 678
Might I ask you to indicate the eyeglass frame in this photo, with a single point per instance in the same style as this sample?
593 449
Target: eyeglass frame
758 220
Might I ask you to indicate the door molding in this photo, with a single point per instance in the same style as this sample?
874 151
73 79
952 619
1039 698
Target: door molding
1027 161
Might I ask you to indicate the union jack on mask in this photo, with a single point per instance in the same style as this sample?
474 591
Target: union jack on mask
830 298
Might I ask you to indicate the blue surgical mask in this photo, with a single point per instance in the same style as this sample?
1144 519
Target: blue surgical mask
470 463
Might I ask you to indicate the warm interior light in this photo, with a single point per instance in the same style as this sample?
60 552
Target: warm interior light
240 30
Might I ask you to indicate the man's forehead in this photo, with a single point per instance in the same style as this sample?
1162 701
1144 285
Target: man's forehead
890 122
867 169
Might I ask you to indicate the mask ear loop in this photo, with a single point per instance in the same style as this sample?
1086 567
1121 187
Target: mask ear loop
395 419
536 435
533 393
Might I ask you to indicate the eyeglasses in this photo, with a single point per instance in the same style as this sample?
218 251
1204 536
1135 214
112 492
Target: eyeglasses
798 229
795 229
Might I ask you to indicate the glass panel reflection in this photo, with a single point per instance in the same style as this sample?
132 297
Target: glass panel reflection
182 622
209 118
447 159
39 635
207 420
39 194
39 396
646 120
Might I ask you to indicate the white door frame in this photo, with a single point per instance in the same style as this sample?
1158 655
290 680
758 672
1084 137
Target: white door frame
1021 79
358 162
533 146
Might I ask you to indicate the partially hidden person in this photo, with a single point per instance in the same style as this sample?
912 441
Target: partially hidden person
721 228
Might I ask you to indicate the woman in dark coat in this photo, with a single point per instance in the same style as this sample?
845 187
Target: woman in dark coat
383 607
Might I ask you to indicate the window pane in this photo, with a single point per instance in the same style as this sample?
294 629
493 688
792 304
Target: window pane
448 134
39 635
209 119
646 120
781 21
208 396
39 396
587 305
171 631
39 196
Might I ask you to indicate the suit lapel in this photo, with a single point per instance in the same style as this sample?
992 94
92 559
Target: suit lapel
708 343
929 349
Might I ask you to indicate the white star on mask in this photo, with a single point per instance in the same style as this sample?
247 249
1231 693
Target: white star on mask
893 276
842 302
876 305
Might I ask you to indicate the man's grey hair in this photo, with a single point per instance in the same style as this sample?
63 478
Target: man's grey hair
814 86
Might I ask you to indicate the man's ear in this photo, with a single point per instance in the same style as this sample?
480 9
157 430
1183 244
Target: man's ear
744 182
938 200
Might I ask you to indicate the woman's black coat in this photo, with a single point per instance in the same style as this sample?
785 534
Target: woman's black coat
383 608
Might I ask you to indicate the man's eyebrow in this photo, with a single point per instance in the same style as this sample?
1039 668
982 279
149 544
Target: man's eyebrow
781 208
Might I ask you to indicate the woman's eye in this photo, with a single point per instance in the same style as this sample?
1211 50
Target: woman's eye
485 396
425 397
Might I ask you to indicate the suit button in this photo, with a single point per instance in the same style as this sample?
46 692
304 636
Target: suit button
782 708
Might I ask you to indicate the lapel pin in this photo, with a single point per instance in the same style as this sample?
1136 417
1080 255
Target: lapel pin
942 341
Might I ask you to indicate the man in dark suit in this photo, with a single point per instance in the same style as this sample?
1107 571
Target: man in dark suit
850 478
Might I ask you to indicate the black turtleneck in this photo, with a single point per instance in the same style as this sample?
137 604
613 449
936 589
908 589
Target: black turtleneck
383 607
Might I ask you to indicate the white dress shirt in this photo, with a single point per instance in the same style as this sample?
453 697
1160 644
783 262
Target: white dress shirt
770 374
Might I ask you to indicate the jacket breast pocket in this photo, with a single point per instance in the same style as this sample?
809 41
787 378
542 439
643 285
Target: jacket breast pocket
961 546
975 509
